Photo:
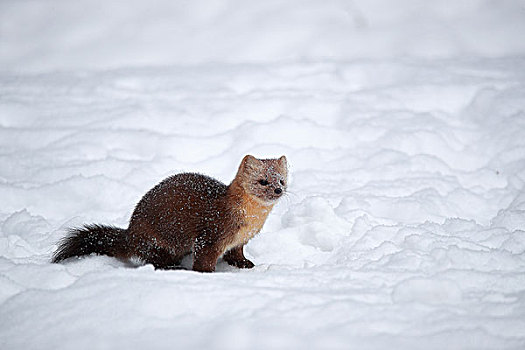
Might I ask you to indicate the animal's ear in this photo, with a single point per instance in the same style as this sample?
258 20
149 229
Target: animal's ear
248 161
282 162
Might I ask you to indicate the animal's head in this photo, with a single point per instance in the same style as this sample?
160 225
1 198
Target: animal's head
265 179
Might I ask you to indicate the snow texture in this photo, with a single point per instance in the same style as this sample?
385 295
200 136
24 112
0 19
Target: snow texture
404 126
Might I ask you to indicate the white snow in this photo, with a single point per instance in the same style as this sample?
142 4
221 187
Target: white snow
403 124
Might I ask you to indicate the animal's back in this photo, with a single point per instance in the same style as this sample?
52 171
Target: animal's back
178 209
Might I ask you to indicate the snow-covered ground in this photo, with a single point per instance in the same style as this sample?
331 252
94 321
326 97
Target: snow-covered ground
404 126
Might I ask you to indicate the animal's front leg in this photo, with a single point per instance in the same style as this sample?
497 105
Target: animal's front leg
205 255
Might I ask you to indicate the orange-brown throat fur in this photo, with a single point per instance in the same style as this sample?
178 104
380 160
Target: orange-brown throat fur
251 211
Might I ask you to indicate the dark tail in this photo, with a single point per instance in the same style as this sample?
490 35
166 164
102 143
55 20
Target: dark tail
98 239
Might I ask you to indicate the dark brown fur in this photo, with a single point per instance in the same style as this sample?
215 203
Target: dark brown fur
190 213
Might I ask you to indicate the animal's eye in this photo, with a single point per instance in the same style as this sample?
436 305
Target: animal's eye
281 182
263 182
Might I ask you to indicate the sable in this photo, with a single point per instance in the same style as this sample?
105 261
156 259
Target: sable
190 214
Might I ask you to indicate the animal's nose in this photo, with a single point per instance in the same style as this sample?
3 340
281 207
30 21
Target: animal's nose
278 190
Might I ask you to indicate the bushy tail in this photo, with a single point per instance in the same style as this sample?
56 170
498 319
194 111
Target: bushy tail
99 239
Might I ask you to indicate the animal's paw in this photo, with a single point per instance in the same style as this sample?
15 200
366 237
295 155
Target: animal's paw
243 264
